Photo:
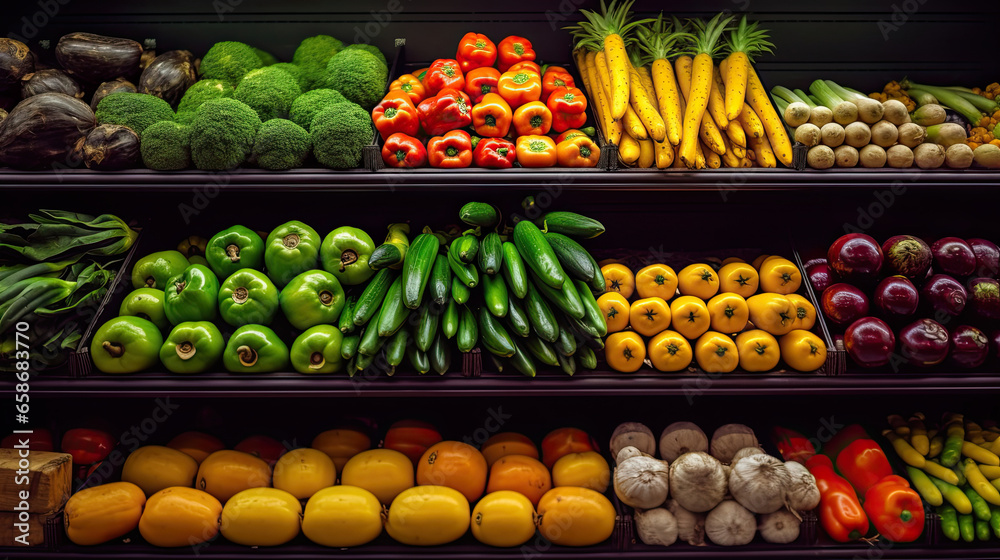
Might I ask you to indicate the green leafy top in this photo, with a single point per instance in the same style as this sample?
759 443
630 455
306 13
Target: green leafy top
707 34
613 20
748 39
661 39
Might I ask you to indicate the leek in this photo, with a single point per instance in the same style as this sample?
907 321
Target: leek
950 98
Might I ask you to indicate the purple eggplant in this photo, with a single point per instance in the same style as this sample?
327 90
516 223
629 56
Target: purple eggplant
952 255
843 303
896 297
855 256
984 298
969 346
924 342
907 256
869 342
987 257
944 294
820 275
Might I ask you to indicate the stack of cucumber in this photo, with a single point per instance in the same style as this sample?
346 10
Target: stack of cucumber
526 293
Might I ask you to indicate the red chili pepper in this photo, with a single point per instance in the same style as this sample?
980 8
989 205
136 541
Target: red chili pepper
512 50
481 81
444 73
863 463
401 150
896 509
792 445
87 446
569 108
448 110
553 80
840 513
39 440
396 113
475 50
453 150
836 438
495 153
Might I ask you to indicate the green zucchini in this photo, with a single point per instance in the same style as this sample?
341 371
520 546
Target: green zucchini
575 260
440 354
586 357
495 295
566 299
427 326
521 360
467 274
450 318
349 346
395 349
567 363
592 312
440 281
479 214
418 359
459 292
513 270
517 317
540 315
346 322
371 299
468 331
417 268
494 336
541 350
491 254
571 223
538 254
393 313
466 248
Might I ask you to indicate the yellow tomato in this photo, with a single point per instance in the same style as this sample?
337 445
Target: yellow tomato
261 517
760 260
690 316
803 350
624 351
758 350
586 470
618 278
428 516
739 278
155 467
729 260
341 444
805 312
503 518
698 280
669 351
101 513
729 312
649 316
574 516
780 276
224 473
772 312
615 308
716 353
303 472
507 443
180 517
382 472
656 280
342 516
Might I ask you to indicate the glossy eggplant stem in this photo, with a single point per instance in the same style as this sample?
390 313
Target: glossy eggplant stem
290 241
233 252
316 360
248 356
348 258
185 350
113 348
241 295
326 297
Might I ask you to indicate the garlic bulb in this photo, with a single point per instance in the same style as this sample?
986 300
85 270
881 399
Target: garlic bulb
642 482
627 453
780 527
690 526
729 439
758 483
746 452
680 438
803 495
635 434
730 524
697 481
656 526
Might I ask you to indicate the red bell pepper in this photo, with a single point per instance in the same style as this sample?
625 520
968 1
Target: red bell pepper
863 464
87 446
512 50
792 445
481 81
526 65
495 153
838 439
475 50
555 79
569 108
896 509
448 110
453 150
40 439
400 150
444 73
840 512
396 113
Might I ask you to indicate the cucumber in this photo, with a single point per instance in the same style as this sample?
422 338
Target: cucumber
468 331
395 349
538 254
449 320
371 299
495 295
586 357
418 359
583 328
566 343
427 326
349 346
350 365
592 312
566 299
541 350
513 270
521 360
346 322
466 248
494 336
467 274
575 260
384 256
371 342
459 292
597 284
540 315
491 254
567 363
363 362
571 223
497 362
393 313
417 268
479 214
440 282
517 317
440 354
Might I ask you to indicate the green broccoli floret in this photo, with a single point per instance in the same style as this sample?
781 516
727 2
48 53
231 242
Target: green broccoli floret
229 61
370 48
266 58
200 92
134 110
339 133
269 91
313 54
166 146
309 104
296 73
357 74
280 145
222 134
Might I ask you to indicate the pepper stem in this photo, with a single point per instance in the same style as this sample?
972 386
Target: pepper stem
316 360
115 349
905 515
326 297
180 286
185 350
291 241
150 282
247 355
241 295
347 258
233 252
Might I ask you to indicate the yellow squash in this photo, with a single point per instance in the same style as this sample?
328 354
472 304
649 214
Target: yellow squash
224 473
615 308
716 353
383 472
729 312
573 516
261 517
698 280
780 276
758 350
649 316
805 312
738 277
504 519
341 444
342 516
586 470
802 350
618 278
656 280
772 313
97 515
690 316
624 351
303 472
155 467
669 351
428 516
180 517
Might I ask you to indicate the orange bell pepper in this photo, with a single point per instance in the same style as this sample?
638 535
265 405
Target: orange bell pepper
526 65
520 87
411 86
532 118
492 116
480 81
578 151
396 113
536 151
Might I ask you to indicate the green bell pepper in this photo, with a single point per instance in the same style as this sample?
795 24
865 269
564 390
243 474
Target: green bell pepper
146 303
192 296
318 350
234 248
345 253
312 298
255 349
192 347
291 249
247 297
126 345
155 269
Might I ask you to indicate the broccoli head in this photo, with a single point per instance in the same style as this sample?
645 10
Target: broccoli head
229 61
222 134
134 110
266 58
309 104
200 92
339 133
296 73
313 54
269 91
359 75
166 146
370 48
280 145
